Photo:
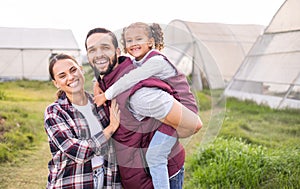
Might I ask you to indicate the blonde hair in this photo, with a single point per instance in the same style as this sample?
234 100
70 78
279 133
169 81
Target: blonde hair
154 30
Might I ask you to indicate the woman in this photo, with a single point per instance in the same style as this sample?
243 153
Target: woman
79 132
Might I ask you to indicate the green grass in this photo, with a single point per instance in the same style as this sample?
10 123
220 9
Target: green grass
89 75
261 124
21 112
233 163
257 147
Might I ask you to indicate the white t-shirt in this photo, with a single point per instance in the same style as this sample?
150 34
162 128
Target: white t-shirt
94 126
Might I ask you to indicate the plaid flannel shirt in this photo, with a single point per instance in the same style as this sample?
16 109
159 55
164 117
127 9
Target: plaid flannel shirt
72 147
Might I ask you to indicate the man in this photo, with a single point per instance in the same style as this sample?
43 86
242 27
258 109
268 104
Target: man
133 136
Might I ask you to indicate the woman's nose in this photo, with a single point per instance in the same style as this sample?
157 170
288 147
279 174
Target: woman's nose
70 76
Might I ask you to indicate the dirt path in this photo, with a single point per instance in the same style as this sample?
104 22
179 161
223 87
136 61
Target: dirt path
28 173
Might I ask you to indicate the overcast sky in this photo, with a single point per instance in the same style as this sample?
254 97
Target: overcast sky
82 15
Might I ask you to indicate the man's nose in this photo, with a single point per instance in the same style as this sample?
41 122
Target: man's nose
99 52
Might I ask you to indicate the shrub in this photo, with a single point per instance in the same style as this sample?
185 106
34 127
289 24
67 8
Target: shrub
231 163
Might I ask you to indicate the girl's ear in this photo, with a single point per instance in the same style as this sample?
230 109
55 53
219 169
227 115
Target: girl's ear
151 43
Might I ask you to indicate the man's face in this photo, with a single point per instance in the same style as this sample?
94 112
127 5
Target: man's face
101 52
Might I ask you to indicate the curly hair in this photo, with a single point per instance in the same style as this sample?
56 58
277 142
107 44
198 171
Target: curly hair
154 31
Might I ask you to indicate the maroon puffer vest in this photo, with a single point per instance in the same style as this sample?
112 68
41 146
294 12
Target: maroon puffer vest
179 84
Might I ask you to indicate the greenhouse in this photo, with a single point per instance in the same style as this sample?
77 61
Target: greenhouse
209 52
25 52
270 73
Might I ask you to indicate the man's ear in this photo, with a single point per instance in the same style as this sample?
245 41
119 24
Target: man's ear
81 69
118 51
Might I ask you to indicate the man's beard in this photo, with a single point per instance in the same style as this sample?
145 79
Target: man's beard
108 70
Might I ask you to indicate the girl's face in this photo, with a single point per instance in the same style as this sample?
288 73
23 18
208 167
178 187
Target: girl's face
68 76
137 42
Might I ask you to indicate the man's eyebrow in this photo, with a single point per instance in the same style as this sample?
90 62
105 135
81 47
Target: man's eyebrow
91 47
98 44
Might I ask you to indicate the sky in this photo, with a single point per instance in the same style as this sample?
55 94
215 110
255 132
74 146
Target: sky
81 16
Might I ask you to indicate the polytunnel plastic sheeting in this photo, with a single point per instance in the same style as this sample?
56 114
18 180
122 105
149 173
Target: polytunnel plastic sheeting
25 52
183 61
190 55
278 43
10 63
227 44
286 19
23 64
271 68
270 73
274 58
28 64
204 60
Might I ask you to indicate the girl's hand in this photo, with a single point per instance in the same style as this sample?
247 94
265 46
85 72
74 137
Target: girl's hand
96 88
99 99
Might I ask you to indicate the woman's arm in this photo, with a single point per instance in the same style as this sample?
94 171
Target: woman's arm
58 126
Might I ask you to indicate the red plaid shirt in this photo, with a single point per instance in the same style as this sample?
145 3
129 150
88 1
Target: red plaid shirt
72 147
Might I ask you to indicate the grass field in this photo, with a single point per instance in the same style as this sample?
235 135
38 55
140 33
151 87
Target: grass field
24 152
256 147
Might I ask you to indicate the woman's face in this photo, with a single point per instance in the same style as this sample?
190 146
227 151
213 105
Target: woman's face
68 76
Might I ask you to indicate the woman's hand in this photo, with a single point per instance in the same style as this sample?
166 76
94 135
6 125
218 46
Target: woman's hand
114 115
114 120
